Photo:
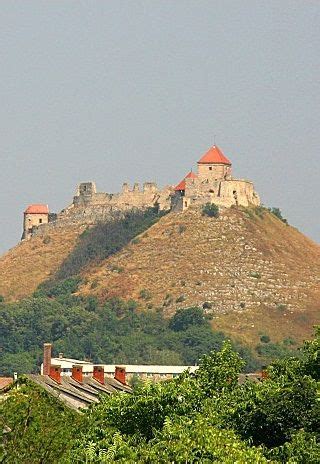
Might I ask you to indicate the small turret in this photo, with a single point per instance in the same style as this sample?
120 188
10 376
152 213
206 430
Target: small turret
34 216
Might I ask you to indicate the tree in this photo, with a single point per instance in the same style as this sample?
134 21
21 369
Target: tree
35 427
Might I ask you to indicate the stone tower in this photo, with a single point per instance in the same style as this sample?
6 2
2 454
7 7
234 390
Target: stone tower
213 165
33 216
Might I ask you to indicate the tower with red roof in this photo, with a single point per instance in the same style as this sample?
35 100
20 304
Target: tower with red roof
214 165
34 216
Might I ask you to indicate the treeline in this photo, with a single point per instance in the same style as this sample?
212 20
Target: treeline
113 332
208 416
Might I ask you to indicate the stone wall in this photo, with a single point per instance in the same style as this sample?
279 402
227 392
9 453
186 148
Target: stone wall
226 192
214 171
32 221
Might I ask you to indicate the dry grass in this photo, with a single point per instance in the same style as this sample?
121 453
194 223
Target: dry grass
203 259
31 262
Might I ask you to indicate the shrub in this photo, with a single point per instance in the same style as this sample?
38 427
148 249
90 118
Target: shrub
185 318
264 339
277 212
255 274
180 299
207 305
210 210
145 294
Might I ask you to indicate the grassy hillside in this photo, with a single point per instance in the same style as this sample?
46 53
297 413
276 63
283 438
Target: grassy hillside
255 274
31 262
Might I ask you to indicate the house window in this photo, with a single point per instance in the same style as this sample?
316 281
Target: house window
40 221
210 168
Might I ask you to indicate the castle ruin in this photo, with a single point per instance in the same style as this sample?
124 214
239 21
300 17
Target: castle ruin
213 183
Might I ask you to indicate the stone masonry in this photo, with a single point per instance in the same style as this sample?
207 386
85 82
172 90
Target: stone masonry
213 183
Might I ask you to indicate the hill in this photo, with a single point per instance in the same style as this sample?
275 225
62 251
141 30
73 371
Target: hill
255 274
252 273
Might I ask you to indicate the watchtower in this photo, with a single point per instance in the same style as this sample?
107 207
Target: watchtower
213 165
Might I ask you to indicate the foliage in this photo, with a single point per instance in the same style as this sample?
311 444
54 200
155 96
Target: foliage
206 416
28 412
210 210
106 238
114 332
185 318
277 212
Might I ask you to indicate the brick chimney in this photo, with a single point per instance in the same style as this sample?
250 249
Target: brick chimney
120 374
47 347
55 373
98 374
264 373
77 373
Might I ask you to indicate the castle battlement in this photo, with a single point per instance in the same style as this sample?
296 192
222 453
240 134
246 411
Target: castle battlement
213 183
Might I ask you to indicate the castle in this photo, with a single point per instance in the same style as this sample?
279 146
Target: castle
213 183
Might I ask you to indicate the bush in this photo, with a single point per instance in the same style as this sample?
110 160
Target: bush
145 294
277 212
264 339
210 210
185 318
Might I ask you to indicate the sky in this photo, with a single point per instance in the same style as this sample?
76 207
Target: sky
115 91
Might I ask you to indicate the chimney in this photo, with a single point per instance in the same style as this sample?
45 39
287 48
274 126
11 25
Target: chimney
47 347
55 373
264 373
120 374
60 355
77 373
98 374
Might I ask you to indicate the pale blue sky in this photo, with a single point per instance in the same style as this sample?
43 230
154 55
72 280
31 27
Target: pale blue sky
115 91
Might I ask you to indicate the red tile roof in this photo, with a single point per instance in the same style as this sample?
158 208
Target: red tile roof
182 184
5 381
214 155
37 209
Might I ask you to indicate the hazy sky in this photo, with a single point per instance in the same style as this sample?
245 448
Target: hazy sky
116 91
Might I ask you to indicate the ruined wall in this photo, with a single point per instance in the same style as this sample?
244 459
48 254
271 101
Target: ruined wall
222 192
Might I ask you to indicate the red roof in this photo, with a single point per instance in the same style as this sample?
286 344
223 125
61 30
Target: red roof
37 209
5 381
214 155
182 184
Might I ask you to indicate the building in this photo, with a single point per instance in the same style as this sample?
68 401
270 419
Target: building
33 217
152 372
213 183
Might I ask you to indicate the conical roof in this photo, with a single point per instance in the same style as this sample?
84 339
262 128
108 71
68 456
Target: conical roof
182 184
214 155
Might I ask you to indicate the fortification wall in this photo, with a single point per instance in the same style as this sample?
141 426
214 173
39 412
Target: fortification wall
221 192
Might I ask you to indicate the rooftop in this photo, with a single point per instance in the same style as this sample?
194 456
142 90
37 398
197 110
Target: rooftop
214 155
37 209
78 395
182 184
